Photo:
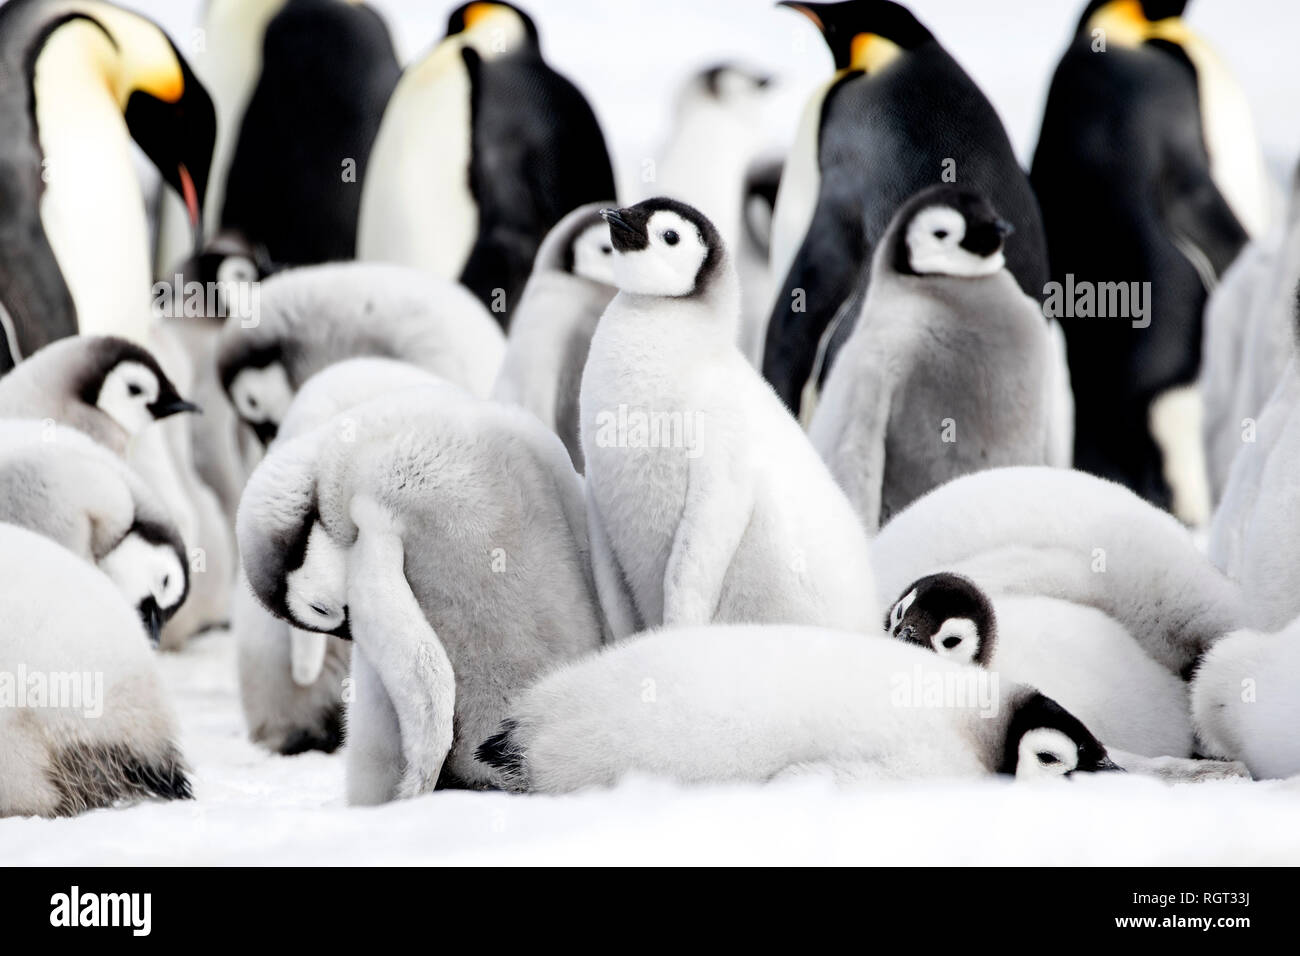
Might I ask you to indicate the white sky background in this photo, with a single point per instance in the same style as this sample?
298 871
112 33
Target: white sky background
629 56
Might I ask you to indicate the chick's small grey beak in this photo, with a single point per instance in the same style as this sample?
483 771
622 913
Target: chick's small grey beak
1004 228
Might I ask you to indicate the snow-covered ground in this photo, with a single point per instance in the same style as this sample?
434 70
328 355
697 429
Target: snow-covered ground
255 808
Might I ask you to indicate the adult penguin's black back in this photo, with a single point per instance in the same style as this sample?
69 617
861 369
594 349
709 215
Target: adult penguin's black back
1123 176
536 153
294 186
901 115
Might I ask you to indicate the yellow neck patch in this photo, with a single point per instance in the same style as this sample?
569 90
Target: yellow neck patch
1124 23
872 52
144 59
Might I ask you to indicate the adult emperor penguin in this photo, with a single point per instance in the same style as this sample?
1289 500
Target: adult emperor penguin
1138 229
447 538
312 316
291 680
718 136
105 386
60 483
1066 534
550 334
899 114
949 369
1079 656
706 501
482 149
79 80
228 63
294 185
112 739
749 703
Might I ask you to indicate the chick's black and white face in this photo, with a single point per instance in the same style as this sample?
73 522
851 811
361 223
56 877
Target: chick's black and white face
316 591
593 254
942 240
947 614
128 390
657 251
262 396
150 575
1045 741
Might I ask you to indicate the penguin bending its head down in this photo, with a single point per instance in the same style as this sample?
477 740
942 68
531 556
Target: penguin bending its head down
1138 229
313 316
105 386
291 680
750 703
949 369
59 483
900 114
81 80
948 614
707 503
570 286
446 537
482 149
112 743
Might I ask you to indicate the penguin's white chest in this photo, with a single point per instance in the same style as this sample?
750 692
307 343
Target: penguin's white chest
92 209
416 205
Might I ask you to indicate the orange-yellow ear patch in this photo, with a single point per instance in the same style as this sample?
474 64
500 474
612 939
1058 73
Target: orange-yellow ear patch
476 13
872 52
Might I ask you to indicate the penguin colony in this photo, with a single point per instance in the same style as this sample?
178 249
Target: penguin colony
714 483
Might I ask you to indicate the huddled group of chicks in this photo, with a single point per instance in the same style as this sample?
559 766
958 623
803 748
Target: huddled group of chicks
506 486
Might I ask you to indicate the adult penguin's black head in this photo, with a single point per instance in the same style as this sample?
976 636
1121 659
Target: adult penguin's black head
489 14
1137 14
864 34
173 121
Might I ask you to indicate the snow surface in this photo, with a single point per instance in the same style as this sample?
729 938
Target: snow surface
253 807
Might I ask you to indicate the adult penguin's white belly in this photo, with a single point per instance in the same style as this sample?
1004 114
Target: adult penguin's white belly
420 163
800 181
92 209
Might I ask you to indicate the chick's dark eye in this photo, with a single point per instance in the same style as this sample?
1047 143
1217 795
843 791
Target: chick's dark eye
605 250
134 390
941 234
671 237
1047 759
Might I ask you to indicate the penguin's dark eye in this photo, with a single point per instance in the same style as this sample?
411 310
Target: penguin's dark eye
941 234
951 642
1047 759
134 389
167 580
671 237
605 250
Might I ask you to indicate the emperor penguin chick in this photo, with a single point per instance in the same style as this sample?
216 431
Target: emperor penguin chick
291 680
706 501
1068 535
113 745
1082 658
105 386
59 483
313 316
949 369
447 538
550 333
749 703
